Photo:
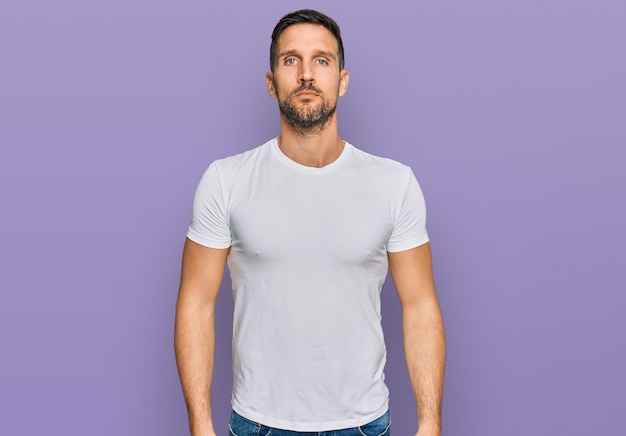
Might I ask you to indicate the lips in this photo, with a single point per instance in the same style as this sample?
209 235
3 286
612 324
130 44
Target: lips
306 93
306 90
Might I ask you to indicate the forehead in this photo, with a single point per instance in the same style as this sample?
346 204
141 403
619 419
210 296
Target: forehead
306 36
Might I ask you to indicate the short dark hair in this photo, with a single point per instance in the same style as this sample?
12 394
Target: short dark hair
305 16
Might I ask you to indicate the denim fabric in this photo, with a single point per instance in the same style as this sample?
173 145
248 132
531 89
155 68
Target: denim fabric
240 426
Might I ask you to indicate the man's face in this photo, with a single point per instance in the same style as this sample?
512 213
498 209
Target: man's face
306 78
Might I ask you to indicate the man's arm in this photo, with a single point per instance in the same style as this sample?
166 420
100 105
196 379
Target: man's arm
194 335
424 338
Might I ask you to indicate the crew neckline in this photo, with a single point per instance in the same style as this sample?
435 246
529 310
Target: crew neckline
347 149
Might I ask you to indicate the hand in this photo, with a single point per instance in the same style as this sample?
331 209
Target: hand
205 430
206 433
424 431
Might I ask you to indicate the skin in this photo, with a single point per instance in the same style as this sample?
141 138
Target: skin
423 331
194 333
307 53
307 59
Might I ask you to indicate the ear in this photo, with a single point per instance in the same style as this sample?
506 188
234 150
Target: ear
269 79
344 78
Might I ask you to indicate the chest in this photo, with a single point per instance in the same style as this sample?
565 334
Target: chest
346 220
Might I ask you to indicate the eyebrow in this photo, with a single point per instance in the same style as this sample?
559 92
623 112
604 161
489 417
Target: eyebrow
318 52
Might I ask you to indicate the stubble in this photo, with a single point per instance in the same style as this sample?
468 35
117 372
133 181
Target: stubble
308 119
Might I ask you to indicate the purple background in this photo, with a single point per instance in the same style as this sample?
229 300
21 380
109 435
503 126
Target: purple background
512 114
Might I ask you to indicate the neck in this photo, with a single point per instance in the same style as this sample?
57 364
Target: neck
316 149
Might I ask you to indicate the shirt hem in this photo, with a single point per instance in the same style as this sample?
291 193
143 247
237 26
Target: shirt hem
210 243
259 418
395 248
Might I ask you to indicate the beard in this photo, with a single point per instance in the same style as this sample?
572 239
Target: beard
308 119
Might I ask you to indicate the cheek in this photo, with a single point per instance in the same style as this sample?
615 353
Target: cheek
281 87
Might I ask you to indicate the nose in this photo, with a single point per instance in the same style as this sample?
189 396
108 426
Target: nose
306 73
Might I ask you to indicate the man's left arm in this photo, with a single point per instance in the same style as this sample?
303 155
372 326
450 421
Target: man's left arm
424 338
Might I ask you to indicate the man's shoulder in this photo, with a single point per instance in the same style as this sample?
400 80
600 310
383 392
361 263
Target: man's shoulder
371 162
239 160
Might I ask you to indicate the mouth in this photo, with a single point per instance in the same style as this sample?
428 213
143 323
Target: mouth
307 94
306 90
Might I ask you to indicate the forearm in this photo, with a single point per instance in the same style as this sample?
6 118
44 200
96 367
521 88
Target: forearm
194 342
425 350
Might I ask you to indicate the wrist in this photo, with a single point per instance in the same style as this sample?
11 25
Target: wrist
429 429
203 432
202 428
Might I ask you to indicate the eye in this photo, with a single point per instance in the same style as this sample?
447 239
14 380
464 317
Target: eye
321 61
291 61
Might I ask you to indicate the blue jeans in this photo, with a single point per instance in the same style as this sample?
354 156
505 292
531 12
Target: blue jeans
240 426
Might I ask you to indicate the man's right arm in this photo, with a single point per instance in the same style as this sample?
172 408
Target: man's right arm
194 335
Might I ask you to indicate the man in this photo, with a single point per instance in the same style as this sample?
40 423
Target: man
309 226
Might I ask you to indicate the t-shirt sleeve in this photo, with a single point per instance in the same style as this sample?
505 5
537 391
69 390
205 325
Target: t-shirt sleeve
409 230
209 223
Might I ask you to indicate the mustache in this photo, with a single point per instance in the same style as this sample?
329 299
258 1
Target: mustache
306 87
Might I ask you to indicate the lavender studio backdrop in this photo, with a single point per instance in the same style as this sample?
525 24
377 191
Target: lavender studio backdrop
512 114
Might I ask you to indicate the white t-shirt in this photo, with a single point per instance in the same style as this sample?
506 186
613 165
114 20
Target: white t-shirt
308 257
